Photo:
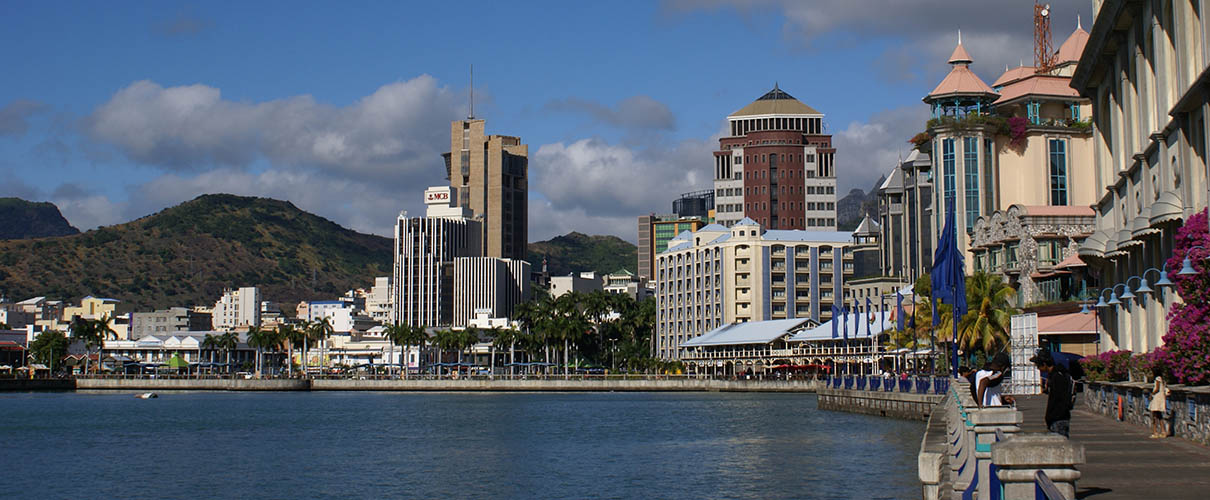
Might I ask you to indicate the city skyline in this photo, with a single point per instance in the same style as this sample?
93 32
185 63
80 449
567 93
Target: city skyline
186 100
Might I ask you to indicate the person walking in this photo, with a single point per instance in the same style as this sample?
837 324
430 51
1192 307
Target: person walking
1159 407
1059 388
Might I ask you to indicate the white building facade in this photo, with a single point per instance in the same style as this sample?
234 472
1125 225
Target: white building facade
718 276
425 249
488 283
237 308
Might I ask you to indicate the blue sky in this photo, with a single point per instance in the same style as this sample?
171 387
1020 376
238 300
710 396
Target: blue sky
116 110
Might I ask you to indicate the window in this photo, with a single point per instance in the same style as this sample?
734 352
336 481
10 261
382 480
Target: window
1058 171
810 158
739 160
970 157
947 161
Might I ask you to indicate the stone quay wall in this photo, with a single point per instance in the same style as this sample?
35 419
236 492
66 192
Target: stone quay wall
902 405
1188 413
37 384
675 384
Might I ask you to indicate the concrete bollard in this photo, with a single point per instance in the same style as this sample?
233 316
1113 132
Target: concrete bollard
1018 459
986 422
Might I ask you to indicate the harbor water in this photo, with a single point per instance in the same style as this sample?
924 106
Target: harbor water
447 445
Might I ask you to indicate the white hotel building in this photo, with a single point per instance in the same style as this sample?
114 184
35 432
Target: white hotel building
719 275
425 249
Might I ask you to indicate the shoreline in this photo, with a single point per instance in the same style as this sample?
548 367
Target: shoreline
414 385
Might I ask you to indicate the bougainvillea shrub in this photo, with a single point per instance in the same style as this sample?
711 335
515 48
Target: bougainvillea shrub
1186 351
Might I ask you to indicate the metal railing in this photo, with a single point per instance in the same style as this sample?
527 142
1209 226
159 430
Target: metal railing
910 385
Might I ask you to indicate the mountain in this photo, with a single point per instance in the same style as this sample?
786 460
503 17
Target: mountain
187 255
20 219
856 205
575 252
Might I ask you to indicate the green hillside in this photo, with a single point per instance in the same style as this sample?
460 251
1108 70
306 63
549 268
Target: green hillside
28 219
575 252
187 255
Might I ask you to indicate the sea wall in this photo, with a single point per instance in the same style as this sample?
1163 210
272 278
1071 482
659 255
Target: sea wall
37 384
676 384
902 405
1188 407
161 384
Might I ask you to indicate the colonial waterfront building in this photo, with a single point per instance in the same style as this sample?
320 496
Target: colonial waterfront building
777 166
488 284
1035 247
490 176
719 275
1145 70
905 216
425 249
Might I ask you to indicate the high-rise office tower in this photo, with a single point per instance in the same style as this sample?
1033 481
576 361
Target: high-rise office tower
425 250
777 166
490 176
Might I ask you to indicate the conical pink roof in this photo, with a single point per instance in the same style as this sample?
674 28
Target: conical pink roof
961 80
960 56
1072 47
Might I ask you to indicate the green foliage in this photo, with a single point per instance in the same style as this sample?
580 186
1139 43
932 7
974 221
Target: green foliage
575 252
26 219
49 347
186 255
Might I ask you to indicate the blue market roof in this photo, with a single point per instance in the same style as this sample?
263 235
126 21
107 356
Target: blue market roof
756 332
808 236
746 222
880 323
714 227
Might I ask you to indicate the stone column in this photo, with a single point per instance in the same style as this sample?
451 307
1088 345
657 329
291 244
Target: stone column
1020 457
986 422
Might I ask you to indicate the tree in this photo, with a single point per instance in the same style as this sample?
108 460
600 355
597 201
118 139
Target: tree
502 338
395 334
988 320
48 347
319 331
211 343
93 332
414 336
257 339
294 337
229 341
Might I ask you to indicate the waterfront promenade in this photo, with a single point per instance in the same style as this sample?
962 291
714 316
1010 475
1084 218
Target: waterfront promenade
1121 462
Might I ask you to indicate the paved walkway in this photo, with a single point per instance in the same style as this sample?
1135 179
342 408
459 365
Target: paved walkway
1122 462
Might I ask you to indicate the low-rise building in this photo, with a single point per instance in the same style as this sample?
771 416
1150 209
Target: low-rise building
719 276
585 282
488 283
378 301
1035 249
167 321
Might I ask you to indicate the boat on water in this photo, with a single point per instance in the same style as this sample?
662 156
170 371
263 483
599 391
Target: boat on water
147 395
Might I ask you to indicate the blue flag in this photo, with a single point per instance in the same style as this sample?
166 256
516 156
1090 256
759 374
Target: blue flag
845 313
835 320
949 277
899 311
869 312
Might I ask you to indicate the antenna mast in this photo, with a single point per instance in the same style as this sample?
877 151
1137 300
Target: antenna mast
472 94
1044 52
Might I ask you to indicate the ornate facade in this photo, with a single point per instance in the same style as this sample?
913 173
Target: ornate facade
1034 246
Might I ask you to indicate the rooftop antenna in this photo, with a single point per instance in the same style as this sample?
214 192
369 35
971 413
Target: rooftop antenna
1044 53
472 94
959 36
1079 25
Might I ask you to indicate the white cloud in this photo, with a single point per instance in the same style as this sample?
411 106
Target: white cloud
867 150
393 134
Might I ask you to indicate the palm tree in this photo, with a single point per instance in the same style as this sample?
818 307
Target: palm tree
414 336
104 331
319 332
446 340
987 322
467 339
211 343
293 337
505 337
228 341
86 332
257 339
397 335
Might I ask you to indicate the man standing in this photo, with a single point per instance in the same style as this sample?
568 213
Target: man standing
1058 388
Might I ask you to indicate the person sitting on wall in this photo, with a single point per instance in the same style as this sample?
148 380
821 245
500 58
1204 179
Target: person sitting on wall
989 390
1060 394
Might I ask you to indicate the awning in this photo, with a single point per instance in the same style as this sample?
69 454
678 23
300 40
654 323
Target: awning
1126 240
176 362
1067 324
1167 208
1142 224
1071 261
1049 274
1094 245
